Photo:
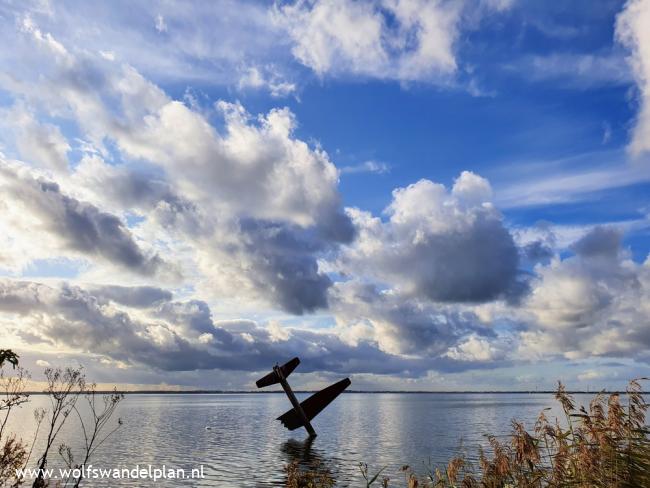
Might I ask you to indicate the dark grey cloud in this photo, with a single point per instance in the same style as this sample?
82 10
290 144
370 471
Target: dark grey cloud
537 251
478 264
133 188
78 319
194 317
439 245
284 260
403 324
132 296
136 190
337 227
166 339
80 226
87 229
600 241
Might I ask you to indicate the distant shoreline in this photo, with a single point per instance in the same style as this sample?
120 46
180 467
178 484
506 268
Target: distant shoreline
253 392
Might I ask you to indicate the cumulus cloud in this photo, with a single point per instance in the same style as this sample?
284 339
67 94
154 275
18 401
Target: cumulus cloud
404 40
249 210
41 144
286 266
258 169
256 166
403 325
600 242
135 192
36 204
475 348
119 186
178 336
593 303
182 335
633 31
71 317
268 262
445 246
356 38
537 251
253 202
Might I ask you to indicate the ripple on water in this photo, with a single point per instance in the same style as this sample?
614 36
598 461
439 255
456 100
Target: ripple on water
245 447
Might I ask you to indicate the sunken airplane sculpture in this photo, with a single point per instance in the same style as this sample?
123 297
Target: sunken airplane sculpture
302 413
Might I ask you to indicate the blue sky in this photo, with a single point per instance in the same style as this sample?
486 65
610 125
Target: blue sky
419 194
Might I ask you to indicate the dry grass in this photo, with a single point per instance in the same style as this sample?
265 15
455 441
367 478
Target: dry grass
316 478
604 445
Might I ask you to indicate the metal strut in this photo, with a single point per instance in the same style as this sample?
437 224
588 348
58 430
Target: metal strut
294 401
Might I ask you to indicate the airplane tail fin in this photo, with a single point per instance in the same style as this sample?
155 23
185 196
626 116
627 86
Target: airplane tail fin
272 378
313 405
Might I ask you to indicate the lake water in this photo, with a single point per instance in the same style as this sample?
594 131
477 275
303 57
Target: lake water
240 444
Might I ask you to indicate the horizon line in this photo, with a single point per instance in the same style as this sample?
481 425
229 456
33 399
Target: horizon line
420 392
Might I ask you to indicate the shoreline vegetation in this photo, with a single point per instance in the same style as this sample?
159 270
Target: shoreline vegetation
66 389
605 444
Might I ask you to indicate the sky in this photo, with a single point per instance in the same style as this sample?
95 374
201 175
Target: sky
417 194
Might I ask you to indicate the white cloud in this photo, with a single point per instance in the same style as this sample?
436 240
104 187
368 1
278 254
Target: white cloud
257 167
592 304
249 211
399 324
41 144
499 5
577 70
173 335
369 166
36 207
475 348
566 180
267 78
251 199
169 40
345 37
403 40
447 246
633 30
161 25
590 375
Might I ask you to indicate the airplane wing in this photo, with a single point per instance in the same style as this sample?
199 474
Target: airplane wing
272 378
313 405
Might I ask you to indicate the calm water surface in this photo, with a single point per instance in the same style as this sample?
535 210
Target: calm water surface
239 444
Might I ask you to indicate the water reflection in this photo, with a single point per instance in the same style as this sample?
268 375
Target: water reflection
243 446
301 452
307 457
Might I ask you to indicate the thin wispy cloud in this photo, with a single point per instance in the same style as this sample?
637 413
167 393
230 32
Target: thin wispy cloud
369 166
